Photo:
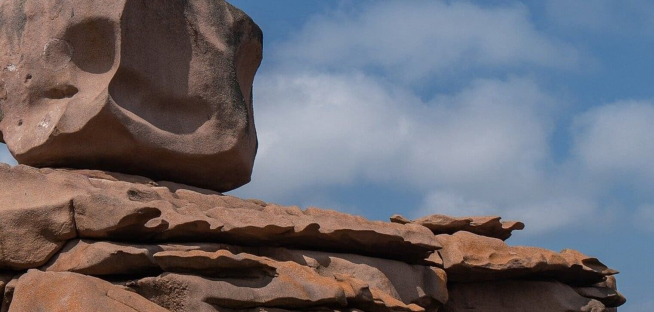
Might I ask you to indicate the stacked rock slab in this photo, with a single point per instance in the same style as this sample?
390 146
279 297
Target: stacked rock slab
163 89
81 240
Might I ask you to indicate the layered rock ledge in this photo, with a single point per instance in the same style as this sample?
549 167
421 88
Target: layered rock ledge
84 240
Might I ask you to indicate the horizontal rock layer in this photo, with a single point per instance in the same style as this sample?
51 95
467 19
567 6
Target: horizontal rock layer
468 257
490 226
140 210
79 239
533 296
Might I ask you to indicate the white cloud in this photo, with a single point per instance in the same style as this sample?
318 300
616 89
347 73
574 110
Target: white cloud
616 140
452 204
547 212
326 119
417 39
320 129
489 142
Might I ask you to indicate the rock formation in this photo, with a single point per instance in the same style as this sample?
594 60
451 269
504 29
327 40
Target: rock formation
163 89
118 240
135 86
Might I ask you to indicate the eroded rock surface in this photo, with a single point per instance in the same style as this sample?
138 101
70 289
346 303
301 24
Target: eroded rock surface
486 226
533 296
63 291
132 243
36 220
468 257
138 209
318 278
5 277
136 86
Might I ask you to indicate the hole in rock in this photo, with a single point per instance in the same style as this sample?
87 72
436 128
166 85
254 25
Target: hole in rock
61 92
153 79
94 44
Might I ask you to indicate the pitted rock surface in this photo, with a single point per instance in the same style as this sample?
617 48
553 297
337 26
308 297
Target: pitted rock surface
141 210
49 291
533 296
131 243
136 86
490 226
94 92
468 257
393 281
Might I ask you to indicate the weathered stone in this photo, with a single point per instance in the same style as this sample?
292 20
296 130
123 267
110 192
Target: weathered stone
417 284
5 278
8 293
121 207
393 283
469 257
292 287
609 297
519 296
103 258
174 246
485 226
164 89
64 291
35 221
152 87
605 292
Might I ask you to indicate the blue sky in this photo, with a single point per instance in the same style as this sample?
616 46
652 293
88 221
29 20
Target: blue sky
540 111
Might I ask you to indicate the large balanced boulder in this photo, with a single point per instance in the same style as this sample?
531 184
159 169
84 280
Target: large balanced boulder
155 87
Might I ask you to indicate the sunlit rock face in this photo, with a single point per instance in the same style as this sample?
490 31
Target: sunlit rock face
89 240
161 88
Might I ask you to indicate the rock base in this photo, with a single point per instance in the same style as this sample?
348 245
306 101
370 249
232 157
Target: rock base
82 240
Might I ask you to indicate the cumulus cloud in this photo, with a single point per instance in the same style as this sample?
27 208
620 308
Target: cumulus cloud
548 211
343 126
480 150
425 38
330 111
616 139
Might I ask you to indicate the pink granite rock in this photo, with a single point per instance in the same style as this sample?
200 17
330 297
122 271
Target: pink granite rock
153 87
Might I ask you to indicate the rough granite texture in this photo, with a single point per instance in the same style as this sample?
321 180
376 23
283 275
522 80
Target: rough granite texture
136 86
125 243
134 94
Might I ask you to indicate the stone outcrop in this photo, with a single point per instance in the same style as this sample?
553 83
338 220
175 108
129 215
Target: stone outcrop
533 296
106 208
136 86
50 291
131 243
163 89
486 226
490 259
